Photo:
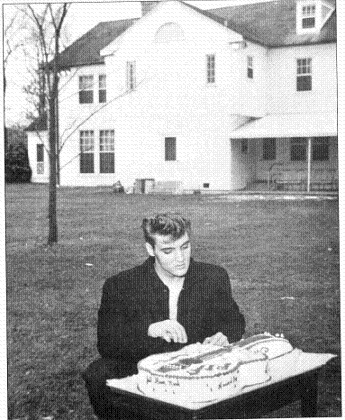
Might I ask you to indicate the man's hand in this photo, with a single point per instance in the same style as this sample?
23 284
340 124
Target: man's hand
218 339
168 330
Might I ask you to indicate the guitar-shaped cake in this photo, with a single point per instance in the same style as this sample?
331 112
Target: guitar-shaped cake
205 372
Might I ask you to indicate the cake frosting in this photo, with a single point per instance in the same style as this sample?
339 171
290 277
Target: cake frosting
203 373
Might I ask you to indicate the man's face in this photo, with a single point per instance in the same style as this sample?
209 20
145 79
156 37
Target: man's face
172 257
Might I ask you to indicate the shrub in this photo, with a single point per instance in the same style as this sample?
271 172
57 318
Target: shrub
17 167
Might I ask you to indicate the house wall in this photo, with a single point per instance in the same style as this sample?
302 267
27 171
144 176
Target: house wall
35 138
282 94
172 99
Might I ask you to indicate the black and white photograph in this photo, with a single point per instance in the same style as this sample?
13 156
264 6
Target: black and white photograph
171 210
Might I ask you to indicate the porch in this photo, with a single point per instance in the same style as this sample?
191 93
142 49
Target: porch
291 152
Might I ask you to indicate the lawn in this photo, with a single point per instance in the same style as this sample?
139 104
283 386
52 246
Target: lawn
282 257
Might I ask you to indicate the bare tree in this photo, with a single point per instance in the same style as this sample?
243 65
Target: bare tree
46 33
47 23
11 42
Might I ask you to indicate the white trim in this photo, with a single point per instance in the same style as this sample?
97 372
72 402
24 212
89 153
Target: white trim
289 125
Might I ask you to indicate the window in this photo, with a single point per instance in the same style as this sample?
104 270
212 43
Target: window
85 89
308 16
250 70
170 148
102 92
320 148
169 32
298 150
304 74
244 146
269 149
106 152
131 75
211 67
40 159
87 152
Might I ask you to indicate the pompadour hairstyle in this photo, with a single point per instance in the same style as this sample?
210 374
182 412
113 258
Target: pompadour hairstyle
165 224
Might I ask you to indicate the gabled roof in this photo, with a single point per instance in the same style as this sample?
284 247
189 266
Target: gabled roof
86 50
273 23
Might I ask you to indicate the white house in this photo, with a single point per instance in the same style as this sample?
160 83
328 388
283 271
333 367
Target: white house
191 100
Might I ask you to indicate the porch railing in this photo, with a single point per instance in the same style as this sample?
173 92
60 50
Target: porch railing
284 178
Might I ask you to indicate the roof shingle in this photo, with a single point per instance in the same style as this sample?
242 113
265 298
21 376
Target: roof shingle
272 24
86 50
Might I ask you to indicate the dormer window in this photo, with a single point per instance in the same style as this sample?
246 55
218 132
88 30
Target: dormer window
308 16
311 15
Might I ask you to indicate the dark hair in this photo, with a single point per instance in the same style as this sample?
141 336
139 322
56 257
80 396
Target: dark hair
166 224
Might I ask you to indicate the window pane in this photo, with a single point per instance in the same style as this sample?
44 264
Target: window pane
40 153
86 163
298 151
308 22
85 89
250 73
85 82
320 149
106 140
304 83
170 148
86 97
102 81
269 149
106 163
211 68
102 96
40 168
131 75
86 141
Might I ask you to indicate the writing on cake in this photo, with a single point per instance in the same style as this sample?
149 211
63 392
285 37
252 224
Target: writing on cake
202 373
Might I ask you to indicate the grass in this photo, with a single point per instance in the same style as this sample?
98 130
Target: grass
272 250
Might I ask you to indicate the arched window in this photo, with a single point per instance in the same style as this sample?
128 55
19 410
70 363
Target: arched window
169 32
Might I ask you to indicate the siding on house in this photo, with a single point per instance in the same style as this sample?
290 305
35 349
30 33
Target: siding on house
173 97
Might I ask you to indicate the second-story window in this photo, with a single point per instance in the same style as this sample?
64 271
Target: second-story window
106 152
211 68
131 82
102 88
250 68
308 16
87 146
304 75
85 89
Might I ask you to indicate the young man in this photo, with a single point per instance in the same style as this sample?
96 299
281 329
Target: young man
160 306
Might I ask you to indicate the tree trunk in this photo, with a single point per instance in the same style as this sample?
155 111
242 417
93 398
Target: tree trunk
52 216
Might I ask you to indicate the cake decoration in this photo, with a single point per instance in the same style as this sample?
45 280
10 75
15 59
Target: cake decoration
205 373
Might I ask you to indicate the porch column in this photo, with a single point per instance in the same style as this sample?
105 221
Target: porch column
309 164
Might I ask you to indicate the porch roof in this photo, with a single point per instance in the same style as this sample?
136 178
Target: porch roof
289 125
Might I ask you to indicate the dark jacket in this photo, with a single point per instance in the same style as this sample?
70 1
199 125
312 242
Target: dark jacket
136 298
